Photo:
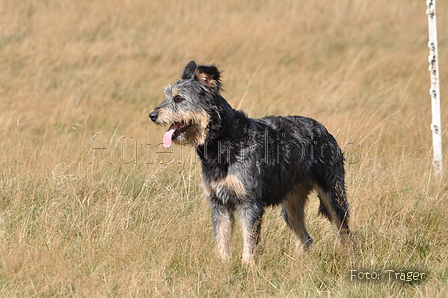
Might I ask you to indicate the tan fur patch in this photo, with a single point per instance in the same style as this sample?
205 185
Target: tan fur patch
233 183
205 78
230 182
197 132
174 92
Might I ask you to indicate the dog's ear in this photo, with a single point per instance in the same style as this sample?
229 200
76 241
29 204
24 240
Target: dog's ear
209 76
189 70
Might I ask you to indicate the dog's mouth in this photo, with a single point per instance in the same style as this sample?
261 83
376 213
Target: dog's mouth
176 129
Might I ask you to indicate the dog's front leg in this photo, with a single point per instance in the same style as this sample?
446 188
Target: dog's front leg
223 220
250 218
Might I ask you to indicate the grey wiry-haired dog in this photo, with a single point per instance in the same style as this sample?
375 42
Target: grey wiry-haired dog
248 164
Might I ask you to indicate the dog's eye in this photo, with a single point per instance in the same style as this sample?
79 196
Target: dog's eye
177 99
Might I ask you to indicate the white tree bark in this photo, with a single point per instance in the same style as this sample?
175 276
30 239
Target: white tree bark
435 89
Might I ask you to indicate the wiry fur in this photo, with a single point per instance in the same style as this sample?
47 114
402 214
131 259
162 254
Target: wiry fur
249 164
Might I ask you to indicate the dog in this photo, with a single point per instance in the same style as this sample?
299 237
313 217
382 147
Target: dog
250 164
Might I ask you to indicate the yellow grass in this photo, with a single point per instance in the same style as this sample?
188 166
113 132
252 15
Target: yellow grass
128 221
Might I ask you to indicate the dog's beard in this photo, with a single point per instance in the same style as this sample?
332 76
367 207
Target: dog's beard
185 127
193 134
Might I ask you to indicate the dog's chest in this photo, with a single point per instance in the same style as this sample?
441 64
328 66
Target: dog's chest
227 187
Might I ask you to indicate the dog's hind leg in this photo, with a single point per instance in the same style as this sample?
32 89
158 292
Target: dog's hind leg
223 220
334 206
293 210
250 218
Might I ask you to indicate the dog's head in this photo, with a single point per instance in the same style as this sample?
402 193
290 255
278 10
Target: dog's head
187 104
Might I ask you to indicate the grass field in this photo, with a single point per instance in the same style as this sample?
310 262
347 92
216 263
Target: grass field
90 206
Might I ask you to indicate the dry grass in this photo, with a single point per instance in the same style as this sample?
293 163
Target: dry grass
83 222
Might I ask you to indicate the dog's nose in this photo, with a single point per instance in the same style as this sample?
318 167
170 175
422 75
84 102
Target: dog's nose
153 115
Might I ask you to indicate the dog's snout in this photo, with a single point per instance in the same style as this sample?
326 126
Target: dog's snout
153 115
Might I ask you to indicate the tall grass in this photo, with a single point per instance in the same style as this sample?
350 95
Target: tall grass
91 207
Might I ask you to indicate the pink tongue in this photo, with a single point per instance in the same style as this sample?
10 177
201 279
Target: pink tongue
168 136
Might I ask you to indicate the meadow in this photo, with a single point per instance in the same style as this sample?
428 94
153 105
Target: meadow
92 206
